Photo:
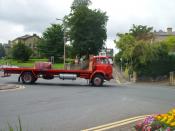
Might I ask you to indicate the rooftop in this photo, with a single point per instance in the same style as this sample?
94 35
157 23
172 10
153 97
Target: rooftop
26 37
164 33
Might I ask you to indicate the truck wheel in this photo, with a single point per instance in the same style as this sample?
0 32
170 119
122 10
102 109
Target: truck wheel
34 80
97 80
27 78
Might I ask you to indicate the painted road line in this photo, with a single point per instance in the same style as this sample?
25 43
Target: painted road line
116 123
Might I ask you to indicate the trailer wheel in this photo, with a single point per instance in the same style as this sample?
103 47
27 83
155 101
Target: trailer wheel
97 80
27 78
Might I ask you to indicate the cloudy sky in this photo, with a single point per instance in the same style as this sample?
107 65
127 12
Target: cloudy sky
20 17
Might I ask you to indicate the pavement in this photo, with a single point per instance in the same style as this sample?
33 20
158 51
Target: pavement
6 87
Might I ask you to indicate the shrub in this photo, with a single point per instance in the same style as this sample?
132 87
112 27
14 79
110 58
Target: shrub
21 52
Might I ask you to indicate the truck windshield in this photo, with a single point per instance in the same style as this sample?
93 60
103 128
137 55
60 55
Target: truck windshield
102 61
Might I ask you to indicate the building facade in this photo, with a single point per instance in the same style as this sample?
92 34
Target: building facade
162 35
29 40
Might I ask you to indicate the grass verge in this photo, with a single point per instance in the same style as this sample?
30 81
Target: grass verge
11 128
29 63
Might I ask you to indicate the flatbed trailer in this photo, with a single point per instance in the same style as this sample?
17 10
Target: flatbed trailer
99 70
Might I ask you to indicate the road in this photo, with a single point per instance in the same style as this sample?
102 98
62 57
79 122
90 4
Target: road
58 105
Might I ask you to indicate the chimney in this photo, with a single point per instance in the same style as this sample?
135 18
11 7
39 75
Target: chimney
9 42
169 30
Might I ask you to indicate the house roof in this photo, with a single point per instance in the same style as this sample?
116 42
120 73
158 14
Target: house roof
26 37
163 33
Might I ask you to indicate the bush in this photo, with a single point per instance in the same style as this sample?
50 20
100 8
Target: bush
21 52
70 61
159 66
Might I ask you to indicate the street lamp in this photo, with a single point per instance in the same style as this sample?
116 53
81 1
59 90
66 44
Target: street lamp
64 40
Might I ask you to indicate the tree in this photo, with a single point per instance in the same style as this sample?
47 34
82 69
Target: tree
87 30
143 53
21 52
77 3
141 32
160 64
52 43
134 53
2 51
135 46
70 52
147 59
126 45
170 40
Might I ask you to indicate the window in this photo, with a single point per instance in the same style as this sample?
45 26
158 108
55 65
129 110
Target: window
102 61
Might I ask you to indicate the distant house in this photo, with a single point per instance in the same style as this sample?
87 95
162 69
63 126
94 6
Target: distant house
29 40
162 35
107 52
7 48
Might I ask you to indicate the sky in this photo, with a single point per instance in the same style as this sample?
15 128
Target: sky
20 17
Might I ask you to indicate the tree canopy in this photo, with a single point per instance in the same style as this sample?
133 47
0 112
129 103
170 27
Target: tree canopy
171 43
144 56
87 30
52 43
126 45
2 51
141 32
77 3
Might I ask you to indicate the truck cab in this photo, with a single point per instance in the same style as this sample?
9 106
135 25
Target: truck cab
102 70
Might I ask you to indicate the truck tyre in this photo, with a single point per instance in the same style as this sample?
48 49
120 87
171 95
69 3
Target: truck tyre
27 78
97 80
34 80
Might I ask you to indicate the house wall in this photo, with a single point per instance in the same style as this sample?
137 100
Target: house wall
159 38
161 35
31 42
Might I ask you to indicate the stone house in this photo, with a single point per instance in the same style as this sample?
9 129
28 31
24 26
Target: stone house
29 40
162 35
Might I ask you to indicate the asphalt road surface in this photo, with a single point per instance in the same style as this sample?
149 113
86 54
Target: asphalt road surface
57 105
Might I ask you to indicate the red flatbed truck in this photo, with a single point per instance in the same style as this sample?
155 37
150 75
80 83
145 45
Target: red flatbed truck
99 70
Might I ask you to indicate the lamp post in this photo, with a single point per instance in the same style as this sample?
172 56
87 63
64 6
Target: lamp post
64 41
121 64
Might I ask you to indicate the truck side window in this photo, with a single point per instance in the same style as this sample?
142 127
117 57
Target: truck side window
98 61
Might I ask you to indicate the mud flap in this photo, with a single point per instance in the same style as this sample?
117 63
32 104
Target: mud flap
19 78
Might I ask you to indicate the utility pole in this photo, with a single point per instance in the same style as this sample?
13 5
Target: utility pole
64 30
